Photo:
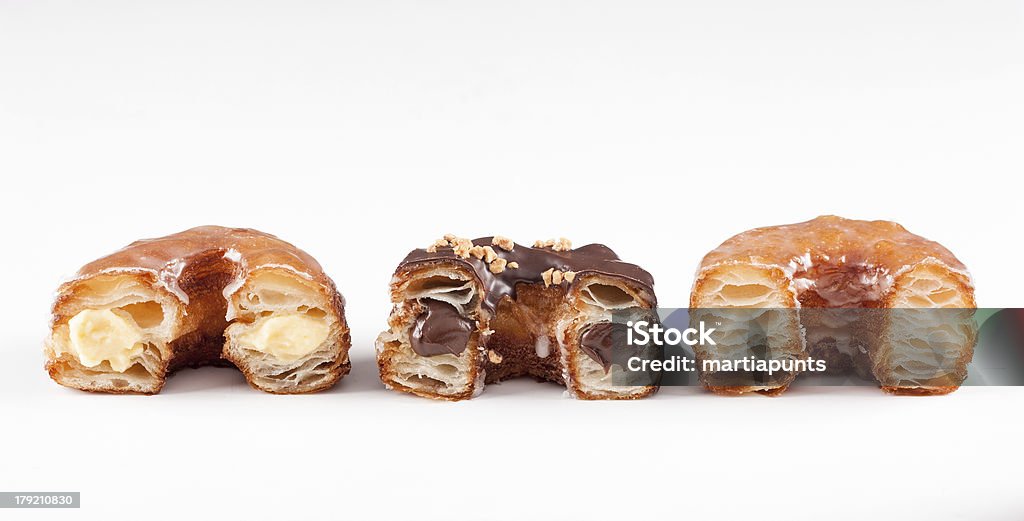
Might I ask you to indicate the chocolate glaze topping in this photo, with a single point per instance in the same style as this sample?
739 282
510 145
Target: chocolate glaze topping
440 329
593 258
175 258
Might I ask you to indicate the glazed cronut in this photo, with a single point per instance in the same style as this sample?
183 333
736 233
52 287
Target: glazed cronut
844 295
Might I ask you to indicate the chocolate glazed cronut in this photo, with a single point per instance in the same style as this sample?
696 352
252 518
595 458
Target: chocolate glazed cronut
471 312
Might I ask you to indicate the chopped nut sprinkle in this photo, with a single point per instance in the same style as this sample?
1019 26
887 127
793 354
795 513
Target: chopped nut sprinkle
440 243
562 244
503 242
497 266
477 251
512 265
547 276
489 254
493 356
556 277
569 275
462 247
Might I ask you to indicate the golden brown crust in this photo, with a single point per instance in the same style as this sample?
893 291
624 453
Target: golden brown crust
920 391
726 390
880 243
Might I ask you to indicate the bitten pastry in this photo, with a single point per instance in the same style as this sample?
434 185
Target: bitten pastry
205 296
800 282
468 313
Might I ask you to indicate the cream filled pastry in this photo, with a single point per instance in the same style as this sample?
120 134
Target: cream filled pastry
205 296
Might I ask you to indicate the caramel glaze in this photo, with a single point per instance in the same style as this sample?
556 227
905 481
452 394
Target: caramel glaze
174 258
848 260
516 296
196 266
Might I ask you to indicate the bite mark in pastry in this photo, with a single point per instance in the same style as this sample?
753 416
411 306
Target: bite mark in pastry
205 296
470 312
802 281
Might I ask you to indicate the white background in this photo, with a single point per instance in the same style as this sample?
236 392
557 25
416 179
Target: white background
361 130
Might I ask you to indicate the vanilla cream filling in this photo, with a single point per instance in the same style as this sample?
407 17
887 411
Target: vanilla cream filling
285 337
105 335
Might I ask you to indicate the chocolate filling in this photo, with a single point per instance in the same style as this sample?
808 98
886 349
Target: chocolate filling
599 340
440 330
